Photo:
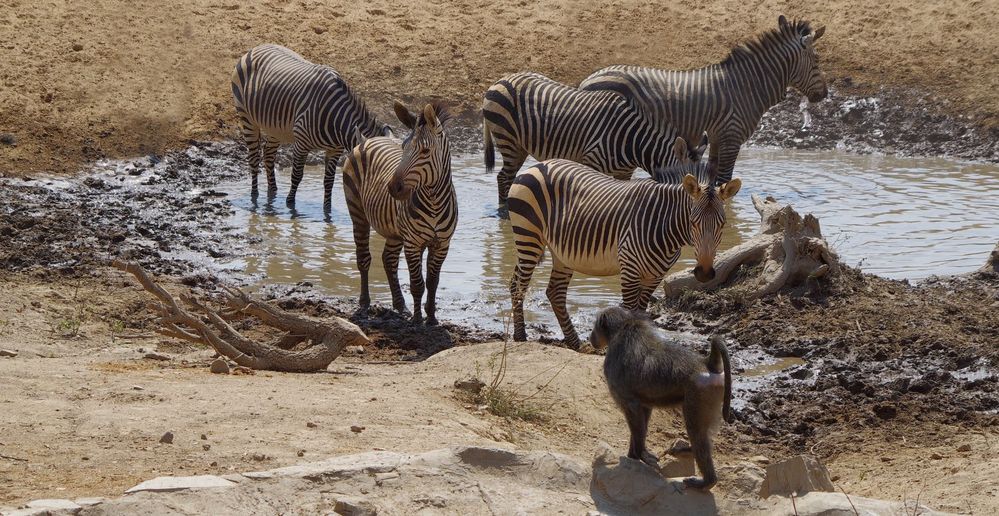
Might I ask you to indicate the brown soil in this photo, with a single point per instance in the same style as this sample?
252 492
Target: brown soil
86 80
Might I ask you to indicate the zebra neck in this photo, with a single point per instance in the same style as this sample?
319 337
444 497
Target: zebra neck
760 81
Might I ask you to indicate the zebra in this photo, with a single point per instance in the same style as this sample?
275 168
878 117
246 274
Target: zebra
602 226
282 98
530 114
405 193
727 99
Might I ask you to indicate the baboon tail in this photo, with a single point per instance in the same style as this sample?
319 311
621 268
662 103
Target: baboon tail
718 362
487 137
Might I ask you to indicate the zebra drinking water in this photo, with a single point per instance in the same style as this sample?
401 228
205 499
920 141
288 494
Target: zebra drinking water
530 114
602 226
405 193
282 98
728 99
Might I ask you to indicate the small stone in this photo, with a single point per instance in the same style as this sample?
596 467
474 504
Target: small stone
137 388
964 448
259 457
301 453
801 474
156 356
356 429
348 506
206 447
204 437
935 456
472 385
167 438
8 353
760 459
310 424
680 447
354 350
77 47
219 366
214 464
8 139
319 30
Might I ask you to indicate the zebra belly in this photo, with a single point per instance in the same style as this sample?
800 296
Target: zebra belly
604 263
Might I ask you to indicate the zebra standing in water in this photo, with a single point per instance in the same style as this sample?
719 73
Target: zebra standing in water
282 98
728 99
530 114
602 226
405 193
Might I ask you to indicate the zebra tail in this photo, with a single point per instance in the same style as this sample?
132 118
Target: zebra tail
490 157
720 351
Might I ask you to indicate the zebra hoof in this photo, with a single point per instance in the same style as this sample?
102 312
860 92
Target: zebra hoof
572 344
431 321
519 336
417 318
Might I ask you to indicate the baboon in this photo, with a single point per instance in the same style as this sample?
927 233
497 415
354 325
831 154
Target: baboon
644 370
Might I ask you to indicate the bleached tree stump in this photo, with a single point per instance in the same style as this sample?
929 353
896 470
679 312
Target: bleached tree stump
789 250
207 326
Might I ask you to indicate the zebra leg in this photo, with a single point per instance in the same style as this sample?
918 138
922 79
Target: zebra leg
647 287
297 169
329 177
435 259
518 287
414 259
251 137
390 260
631 288
362 235
558 284
270 153
724 159
512 161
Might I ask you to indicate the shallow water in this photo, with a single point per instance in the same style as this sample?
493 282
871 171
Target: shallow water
896 217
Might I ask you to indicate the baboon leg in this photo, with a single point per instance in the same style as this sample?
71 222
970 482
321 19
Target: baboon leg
251 137
270 154
435 260
698 415
527 261
362 235
329 177
638 416
390 261
558 284
414 259
297 170
513 159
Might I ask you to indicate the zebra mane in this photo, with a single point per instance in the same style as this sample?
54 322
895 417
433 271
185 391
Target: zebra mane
440 111
767 40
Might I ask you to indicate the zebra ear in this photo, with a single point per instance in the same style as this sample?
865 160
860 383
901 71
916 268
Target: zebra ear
691 186
430 117
699 150
404 115
729 189
818 33
359 137
680 150
782 22
387 131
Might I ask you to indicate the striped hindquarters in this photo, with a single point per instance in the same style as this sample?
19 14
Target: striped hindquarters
366 175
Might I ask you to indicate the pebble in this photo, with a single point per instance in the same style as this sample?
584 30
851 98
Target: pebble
259 457
964 448
219 366
355 350
8 353
310 424
156 356
301 453
206 447
167 438
472 385
356 429
319 30
8 139
935 456
77 47
204 437
137 388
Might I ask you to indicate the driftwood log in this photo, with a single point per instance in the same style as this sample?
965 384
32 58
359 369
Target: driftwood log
789 249
204 325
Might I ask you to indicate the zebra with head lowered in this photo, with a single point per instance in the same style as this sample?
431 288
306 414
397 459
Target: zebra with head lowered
728 99
528 114
405 193
282 98
602 226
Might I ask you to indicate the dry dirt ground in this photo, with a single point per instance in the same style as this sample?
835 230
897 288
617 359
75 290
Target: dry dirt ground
84 411
83 80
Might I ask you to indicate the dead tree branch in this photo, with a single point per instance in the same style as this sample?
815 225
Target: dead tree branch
205 325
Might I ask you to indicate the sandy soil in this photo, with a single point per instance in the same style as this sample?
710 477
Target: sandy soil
83 80
84 413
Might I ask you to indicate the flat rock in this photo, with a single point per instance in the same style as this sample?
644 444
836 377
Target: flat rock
837 504
53 503
167 484
350 506
8 353
798 475
219 366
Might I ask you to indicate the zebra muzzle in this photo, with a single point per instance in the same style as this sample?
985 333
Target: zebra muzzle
704 276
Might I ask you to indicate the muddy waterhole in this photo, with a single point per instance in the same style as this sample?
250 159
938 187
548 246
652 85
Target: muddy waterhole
896 217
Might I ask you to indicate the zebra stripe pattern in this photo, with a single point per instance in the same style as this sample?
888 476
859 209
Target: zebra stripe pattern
528 114
728 99
602 226
282 98
406 194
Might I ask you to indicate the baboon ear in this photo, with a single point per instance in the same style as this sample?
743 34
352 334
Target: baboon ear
680 150
691 186
818 33
404 115
430 117
729 189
